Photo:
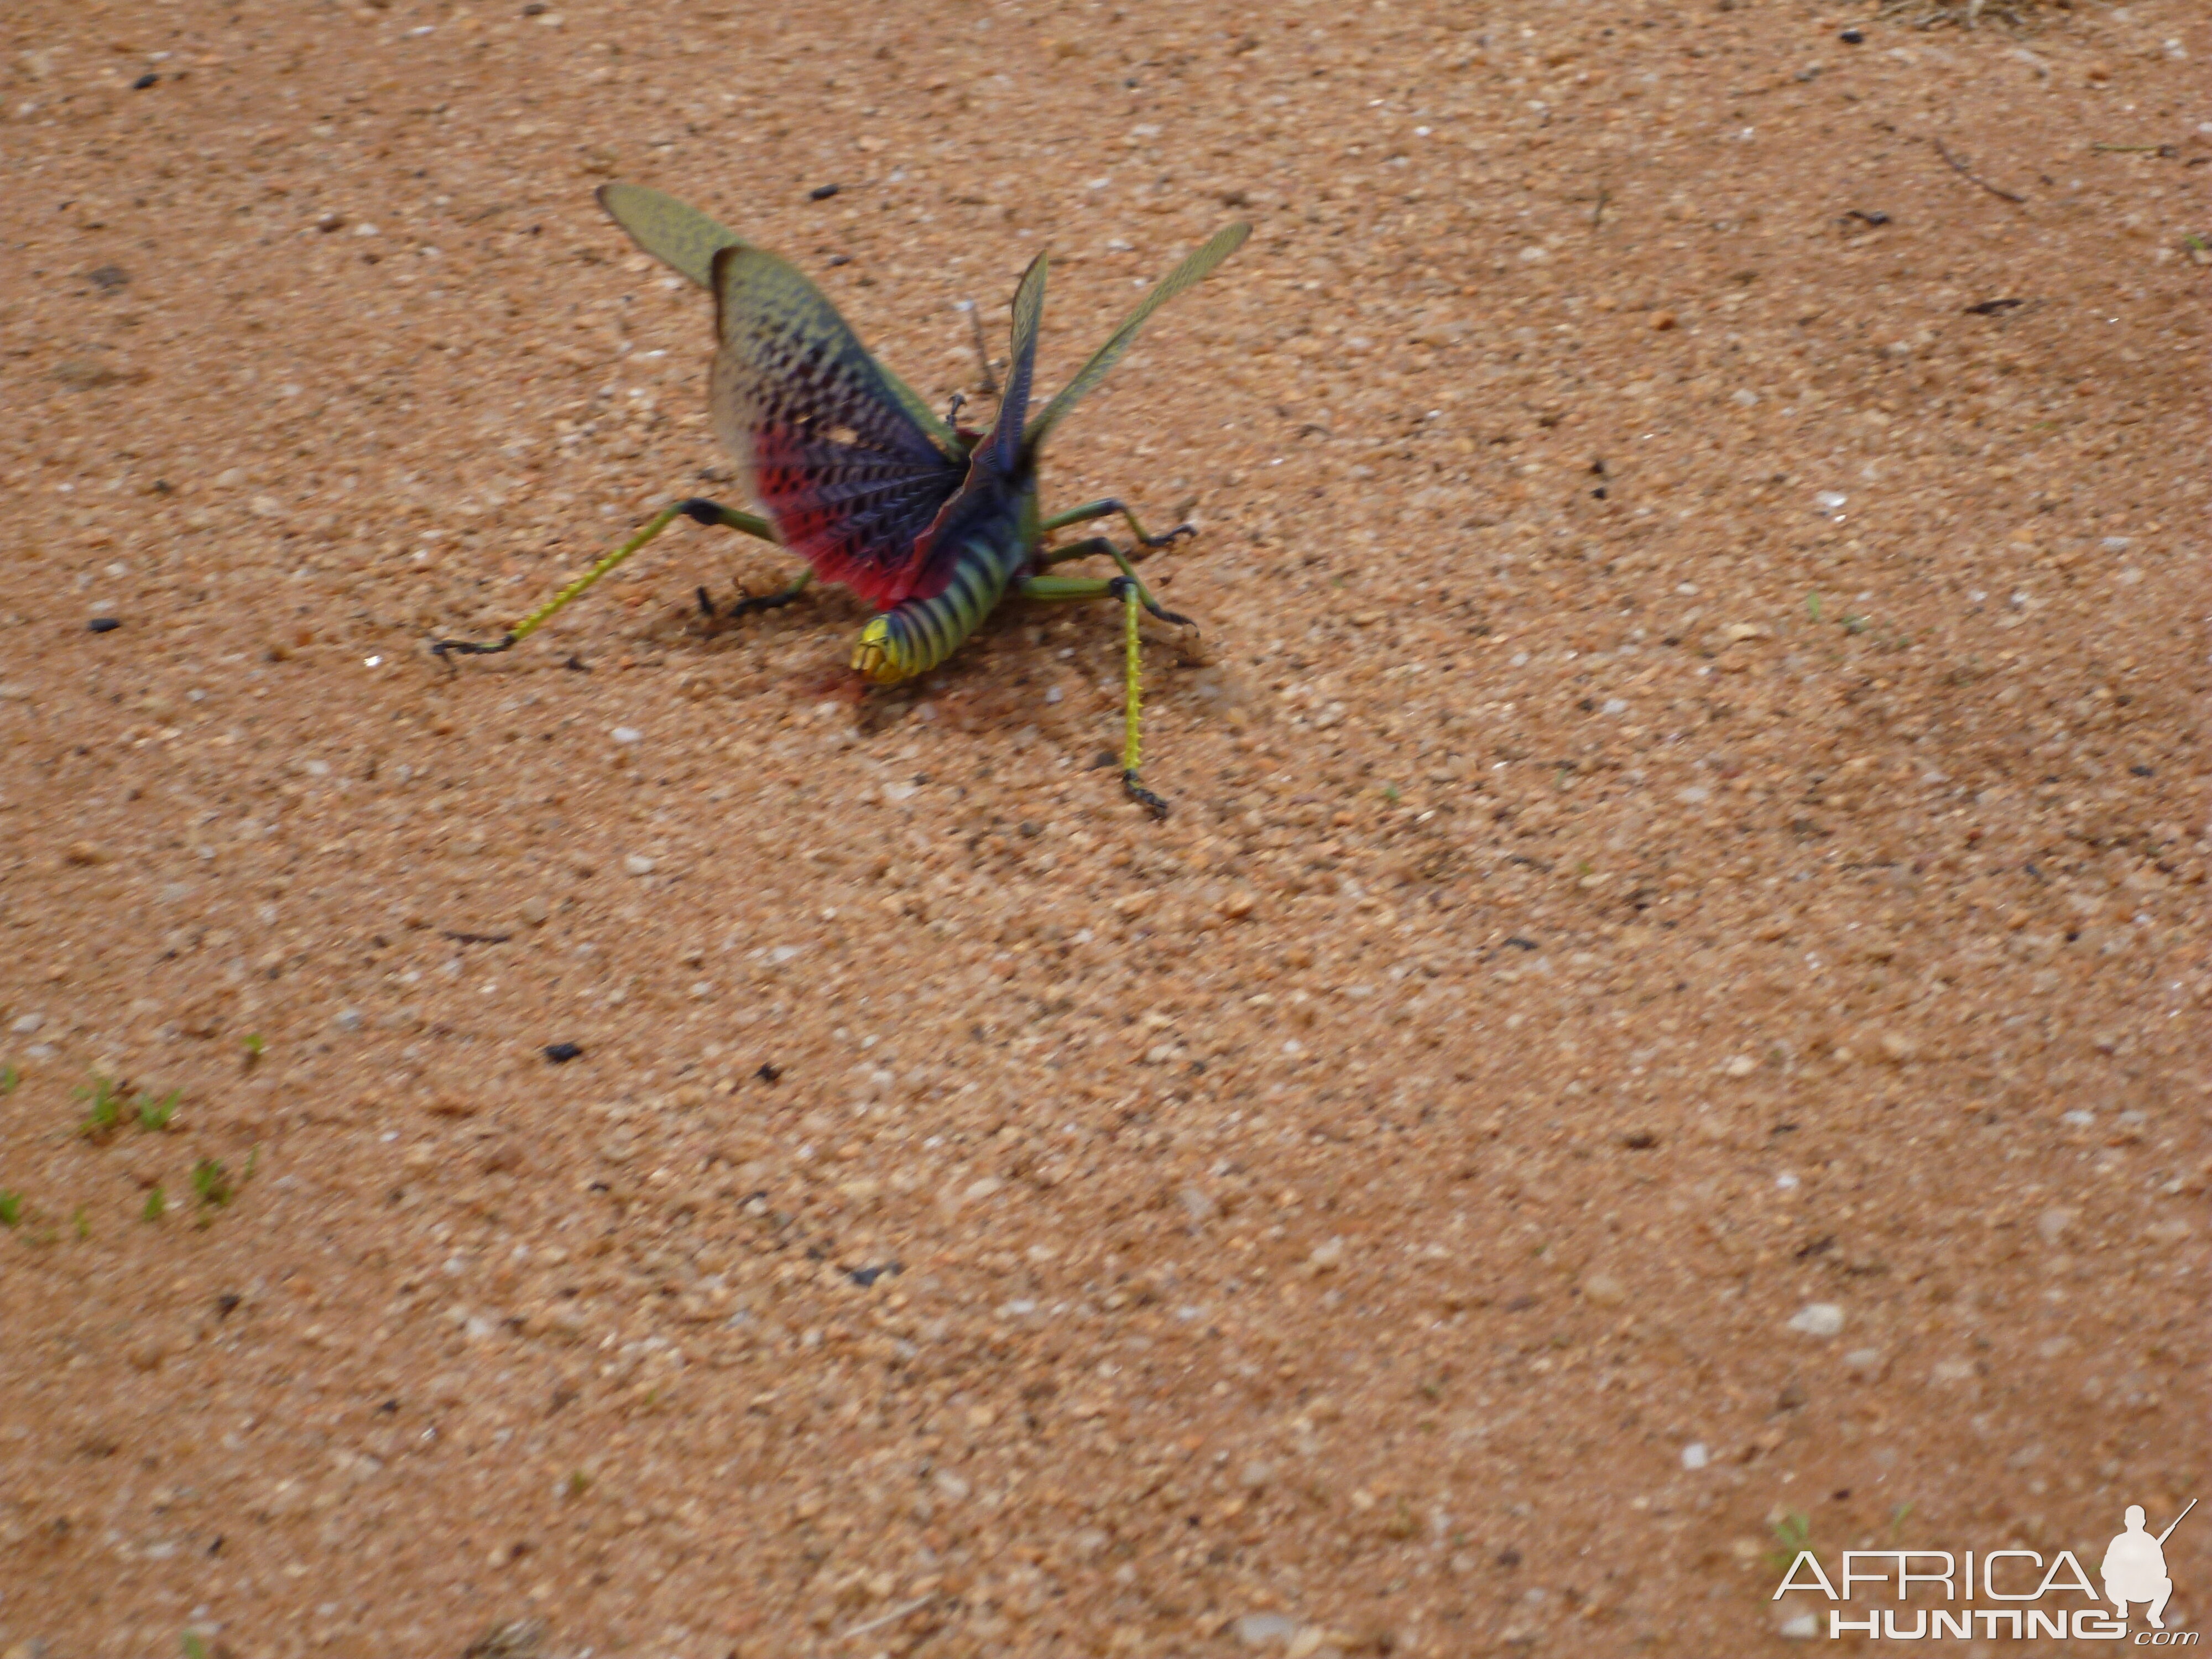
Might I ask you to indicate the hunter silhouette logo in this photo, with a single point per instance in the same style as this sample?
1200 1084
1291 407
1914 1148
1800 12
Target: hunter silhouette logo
2017 1582
2134 1566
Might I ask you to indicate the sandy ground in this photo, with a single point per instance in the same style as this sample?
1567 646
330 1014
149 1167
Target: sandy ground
1668 1019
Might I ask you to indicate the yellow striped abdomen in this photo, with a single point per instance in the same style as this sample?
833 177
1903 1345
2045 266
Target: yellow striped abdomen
913 638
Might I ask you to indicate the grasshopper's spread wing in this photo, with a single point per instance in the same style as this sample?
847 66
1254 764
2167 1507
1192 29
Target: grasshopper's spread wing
680 237
852 481
686 240
1005 440
1193 271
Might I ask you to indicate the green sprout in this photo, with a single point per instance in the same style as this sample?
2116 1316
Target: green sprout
9 1077
1793 1535
81 1223
212 1182
1813 606
103 1107
11 1209
254 1048
157 1204
154 1115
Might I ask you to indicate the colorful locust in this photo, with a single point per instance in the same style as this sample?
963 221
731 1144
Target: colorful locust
931 523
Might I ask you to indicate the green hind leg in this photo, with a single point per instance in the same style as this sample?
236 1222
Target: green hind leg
1130 592
1095 587
697 508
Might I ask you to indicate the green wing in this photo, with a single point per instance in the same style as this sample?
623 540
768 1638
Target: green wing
682 237
1004 442
1193 271
686 240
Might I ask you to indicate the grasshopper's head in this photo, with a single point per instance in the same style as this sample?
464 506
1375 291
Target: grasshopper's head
876 654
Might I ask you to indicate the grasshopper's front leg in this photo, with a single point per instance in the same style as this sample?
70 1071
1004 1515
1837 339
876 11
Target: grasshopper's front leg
696 507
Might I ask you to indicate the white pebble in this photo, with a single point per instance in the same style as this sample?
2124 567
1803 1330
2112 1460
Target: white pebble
638 865
626 734
1801 1626
1830 500
349 1019
1052 694
1696 1454
28 1024
1818 1319
1254 1629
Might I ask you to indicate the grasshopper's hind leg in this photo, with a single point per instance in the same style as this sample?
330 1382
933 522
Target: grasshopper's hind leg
1095 547
1130 592
696 507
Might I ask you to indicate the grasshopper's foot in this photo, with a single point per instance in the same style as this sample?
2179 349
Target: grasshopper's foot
1166 536
444 649
1120 587
1144 797
750 603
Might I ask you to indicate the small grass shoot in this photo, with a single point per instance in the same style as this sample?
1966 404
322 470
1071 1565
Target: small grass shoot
154 1115
103 1110
11 1209
1793 1535
212 1182
157 1205
9 1077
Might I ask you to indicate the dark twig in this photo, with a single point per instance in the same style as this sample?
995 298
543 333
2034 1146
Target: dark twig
1964 171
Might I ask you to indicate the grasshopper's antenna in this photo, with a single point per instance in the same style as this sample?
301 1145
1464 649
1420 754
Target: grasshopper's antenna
982 348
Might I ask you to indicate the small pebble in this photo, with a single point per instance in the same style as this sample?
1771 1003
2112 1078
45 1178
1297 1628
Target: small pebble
1696 1454
1850 37
822 192
1256 1629
638 865
144 81
1604 1290
534 910
1830 500
349 1019
1804 1627
626 734
562 1053
104 624
28 1024
1818 1319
